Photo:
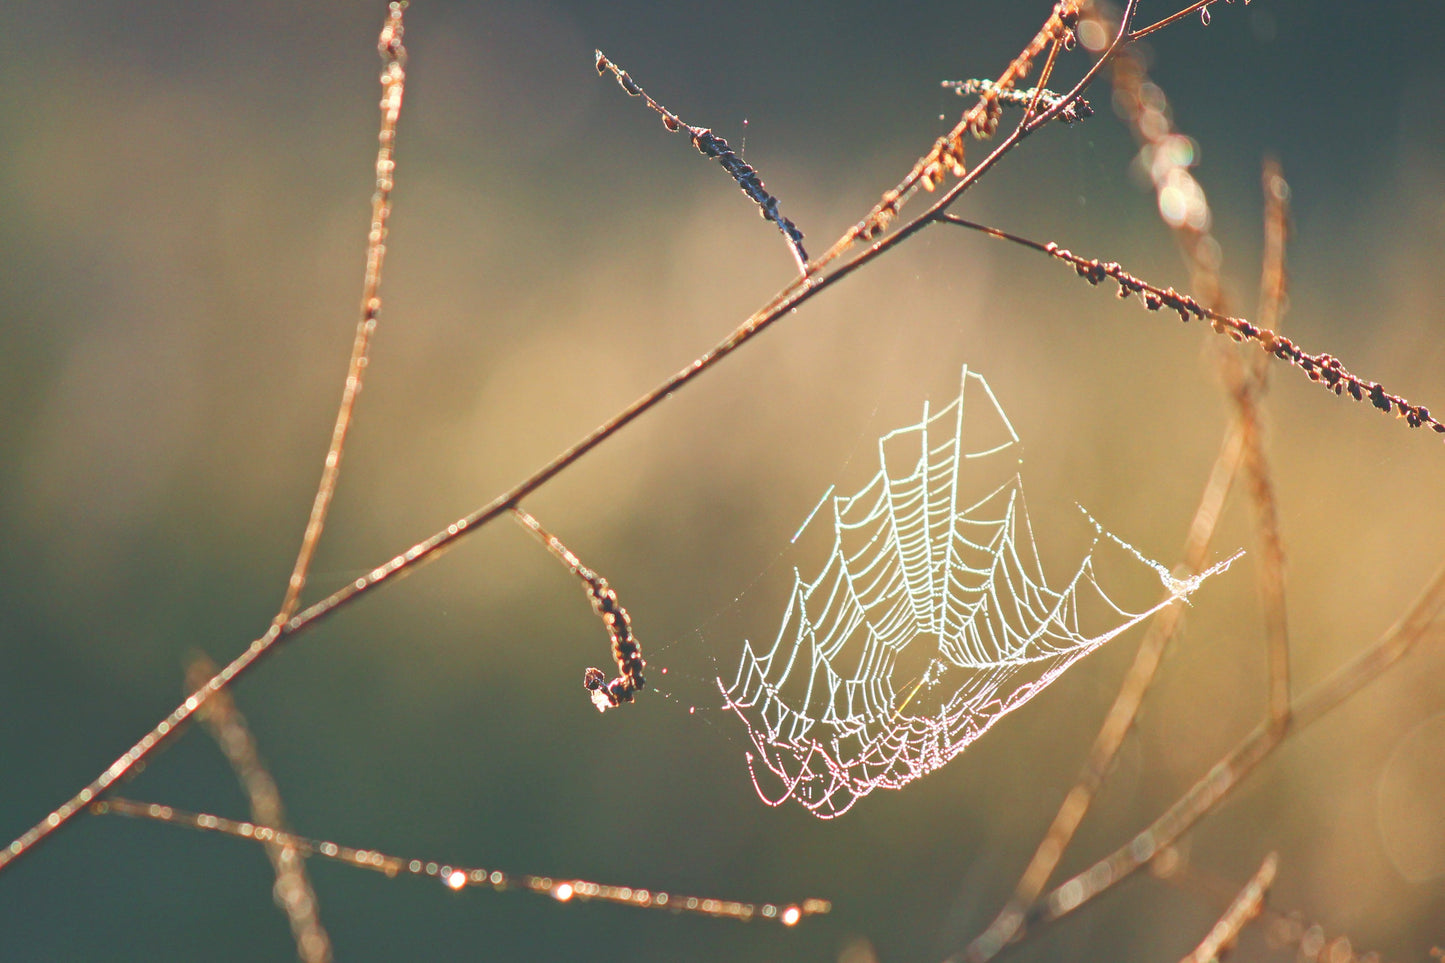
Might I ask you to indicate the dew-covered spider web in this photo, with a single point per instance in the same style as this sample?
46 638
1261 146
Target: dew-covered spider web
930 621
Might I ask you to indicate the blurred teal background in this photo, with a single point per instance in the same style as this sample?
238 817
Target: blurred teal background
184 193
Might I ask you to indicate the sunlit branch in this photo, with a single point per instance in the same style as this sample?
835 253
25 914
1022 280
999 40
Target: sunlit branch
456 877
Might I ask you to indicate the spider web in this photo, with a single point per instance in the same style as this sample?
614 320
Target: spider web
930 621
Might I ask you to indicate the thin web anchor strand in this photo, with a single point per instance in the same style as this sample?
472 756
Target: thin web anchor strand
936 556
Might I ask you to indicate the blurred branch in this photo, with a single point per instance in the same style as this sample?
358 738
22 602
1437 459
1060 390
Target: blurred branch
1183 204
293 891
1222 778
1243 909
1272 559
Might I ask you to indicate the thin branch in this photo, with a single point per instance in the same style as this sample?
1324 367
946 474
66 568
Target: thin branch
1184 207
1323 369
1243 909
293 891
1281 929
711 145
457 877
1006 926
1044 75
1229 771
1271 542
393 54
393 83
1200 6
626 651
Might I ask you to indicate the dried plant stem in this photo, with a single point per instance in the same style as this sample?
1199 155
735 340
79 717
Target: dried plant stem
1243 909
459 877
711 145
1197 6
1044 75
1222 778
393 84
1270 577
1007 925
1282 929
1323 369
626 651
293 890
1274 280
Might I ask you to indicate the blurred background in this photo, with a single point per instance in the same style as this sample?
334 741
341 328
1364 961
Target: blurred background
184 194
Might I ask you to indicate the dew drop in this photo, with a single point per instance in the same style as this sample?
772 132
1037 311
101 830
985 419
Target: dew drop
1204 15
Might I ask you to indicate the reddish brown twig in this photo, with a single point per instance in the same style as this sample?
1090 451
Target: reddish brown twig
1324 369
457 877
1271 542
1199 6
393 84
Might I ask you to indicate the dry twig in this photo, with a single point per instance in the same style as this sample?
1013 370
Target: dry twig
459 877
626 651
711 145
